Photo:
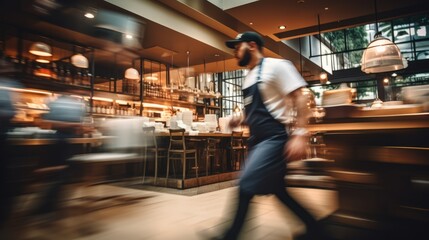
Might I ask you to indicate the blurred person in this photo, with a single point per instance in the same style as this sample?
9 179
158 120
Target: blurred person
65 117
265 89
7 112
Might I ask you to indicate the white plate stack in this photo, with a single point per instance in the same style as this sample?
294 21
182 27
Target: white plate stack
224 124
187 118
211 122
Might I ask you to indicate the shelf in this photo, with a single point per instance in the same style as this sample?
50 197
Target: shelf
116 96
169 102
112 115
214 107
52 85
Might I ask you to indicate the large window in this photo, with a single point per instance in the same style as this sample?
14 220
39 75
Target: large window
411 34
231 91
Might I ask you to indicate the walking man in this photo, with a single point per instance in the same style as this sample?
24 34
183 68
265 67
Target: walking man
265 88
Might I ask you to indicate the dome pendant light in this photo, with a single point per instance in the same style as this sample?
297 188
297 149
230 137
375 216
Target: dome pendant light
40 49
78 60
132 73
381 55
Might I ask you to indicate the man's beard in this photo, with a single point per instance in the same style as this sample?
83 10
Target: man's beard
244 61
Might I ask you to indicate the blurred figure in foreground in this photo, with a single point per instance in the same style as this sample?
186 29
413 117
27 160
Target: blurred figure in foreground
65 117
265 88
7 112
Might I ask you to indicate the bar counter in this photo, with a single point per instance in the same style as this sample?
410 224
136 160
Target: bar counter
381 173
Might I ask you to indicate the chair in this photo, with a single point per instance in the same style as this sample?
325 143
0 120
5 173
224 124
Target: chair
237 150
123 148
211 152
150 145
177 150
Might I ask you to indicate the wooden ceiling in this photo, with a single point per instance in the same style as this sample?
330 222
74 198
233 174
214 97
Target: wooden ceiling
300 16
63 20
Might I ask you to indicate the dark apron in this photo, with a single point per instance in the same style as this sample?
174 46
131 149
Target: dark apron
265 166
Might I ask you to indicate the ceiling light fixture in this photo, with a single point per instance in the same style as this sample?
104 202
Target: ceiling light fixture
132 73
89 15
129 36
40 60
40 49
282 27
386 80
78 60
381 55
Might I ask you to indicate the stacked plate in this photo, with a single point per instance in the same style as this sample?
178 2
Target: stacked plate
187 118
211 122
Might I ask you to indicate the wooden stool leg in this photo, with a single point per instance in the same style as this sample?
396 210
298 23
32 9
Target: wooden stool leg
168 169
156 166
184 166
144 164
196 169
207 161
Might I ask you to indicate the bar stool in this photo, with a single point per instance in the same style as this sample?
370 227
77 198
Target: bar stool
211 152
237 150
177 150
150 145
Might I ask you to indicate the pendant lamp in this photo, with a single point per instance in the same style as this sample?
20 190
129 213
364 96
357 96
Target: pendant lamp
381 55
132 73
40 49
78 60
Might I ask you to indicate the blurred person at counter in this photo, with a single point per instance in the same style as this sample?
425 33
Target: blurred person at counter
65 117
265 89
7 112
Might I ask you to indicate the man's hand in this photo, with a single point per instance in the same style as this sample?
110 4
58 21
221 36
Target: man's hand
234 122
296 148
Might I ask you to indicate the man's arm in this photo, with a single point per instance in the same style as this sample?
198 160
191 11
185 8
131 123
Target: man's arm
296 147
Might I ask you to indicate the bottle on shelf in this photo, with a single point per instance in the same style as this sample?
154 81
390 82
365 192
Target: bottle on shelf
77 77
54 71
68 78
61 72
86 79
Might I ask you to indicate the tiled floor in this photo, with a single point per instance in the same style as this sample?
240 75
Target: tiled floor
164 216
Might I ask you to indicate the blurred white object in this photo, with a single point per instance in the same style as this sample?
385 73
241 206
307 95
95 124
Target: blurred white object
148 124
187 118
202 127
416 94
337 96
159 126
211 122
127 133
193 133
224 124
66 109
173 122
377 103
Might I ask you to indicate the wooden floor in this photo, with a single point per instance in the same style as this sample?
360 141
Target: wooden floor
164 215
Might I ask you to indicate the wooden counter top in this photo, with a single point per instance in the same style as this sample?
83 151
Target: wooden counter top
49 141
385 122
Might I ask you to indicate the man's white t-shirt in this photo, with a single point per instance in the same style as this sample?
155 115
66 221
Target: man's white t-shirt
279 77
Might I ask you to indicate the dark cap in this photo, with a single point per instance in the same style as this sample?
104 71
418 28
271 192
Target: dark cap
246 37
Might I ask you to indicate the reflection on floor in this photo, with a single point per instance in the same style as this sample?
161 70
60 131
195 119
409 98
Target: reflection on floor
157 215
